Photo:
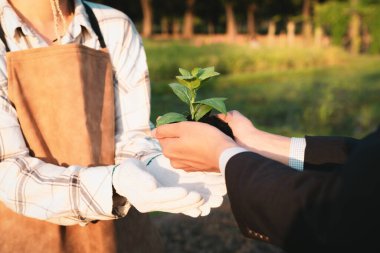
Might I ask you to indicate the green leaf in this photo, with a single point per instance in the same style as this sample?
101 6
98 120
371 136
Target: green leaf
195 84
216 103
190 82
195 71
208 73
184 72
185 77
184 83
170 117
182 92
201 110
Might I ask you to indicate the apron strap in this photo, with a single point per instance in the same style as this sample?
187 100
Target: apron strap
95 25
93 21
2 38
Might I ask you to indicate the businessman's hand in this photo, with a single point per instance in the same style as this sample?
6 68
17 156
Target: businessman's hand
272 146
243 129
192 145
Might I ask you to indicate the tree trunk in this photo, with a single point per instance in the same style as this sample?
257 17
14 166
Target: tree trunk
210 27
307 29
354 31
188 21
146 6
290 32
176 28
271 33
231 29
251 26
165 26
366 39
318 37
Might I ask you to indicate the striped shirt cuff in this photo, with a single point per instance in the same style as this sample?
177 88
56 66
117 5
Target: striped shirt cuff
297 153
226 155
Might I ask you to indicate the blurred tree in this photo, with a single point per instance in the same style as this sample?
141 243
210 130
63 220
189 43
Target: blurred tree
131 8
333 17
354 27
251 25
210 13
371 25
169 14
307 28
231 27
188 20
147 26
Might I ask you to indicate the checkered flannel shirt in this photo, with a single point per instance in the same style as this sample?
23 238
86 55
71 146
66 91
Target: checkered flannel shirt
75 195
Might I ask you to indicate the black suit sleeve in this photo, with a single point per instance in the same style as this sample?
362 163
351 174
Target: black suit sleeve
308 211
327 153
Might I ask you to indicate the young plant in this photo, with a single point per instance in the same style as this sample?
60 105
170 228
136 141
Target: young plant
186 89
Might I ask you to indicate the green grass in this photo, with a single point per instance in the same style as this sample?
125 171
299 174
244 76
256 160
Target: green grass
166 56
340 97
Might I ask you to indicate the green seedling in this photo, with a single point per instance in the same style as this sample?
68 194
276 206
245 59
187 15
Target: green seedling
186 89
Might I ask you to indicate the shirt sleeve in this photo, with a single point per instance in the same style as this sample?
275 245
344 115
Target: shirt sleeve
33 188
226 155
297 153
132 99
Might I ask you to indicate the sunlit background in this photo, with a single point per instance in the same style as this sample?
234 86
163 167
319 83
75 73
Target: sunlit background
294 67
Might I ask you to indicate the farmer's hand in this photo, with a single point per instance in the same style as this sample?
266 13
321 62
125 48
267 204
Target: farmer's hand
210 185
193 146
147 192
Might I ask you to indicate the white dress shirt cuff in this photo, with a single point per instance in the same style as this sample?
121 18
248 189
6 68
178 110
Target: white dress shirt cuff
226 155
297 153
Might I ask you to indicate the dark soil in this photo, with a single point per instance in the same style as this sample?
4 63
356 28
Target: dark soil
218 123
215 233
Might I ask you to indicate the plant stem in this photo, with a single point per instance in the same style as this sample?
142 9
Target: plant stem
192 109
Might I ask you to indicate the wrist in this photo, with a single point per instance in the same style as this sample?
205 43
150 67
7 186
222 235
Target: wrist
254 139
226 145
275 147
226 156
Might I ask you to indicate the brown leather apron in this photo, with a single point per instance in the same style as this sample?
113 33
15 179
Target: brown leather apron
64 100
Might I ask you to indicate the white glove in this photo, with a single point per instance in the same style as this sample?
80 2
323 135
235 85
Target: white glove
147 193
210 185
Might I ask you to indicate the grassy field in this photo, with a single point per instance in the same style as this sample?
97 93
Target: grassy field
286 91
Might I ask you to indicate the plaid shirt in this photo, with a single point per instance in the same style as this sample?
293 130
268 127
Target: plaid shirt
75 195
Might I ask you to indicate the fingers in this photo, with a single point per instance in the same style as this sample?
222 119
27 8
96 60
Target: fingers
190 201
195 212
191 166
168 144
205 210
226 117
166 194
167 131
212 202
229 116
